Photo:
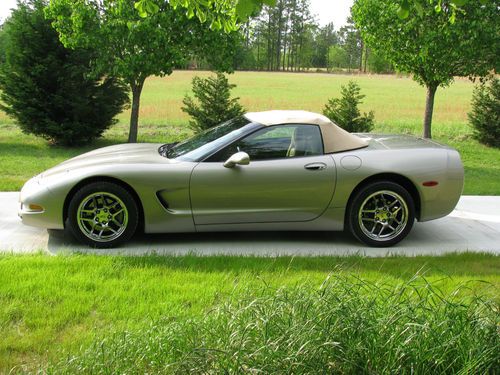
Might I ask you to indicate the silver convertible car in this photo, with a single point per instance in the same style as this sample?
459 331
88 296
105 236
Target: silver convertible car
272 171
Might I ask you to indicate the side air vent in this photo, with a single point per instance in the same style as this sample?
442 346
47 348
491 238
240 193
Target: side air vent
162 200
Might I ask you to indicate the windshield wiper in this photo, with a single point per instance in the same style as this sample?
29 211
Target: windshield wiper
164 150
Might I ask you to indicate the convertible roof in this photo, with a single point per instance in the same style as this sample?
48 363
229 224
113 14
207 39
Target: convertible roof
335 139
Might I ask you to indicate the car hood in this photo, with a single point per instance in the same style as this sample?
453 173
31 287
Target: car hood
136 153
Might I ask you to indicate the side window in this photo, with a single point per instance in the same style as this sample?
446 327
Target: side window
275 142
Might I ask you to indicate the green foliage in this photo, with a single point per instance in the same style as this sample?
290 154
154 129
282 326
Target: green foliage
214 103
453 6
133 47
485 114
378 64
47 88
352 44
285 37
346 326
345 113
325 38
3 44
215 12
428 46
337 58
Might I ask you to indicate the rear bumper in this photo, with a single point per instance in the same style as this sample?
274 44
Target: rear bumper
439 201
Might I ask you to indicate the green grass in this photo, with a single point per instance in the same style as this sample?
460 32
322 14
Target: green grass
55 305
398 104
347 325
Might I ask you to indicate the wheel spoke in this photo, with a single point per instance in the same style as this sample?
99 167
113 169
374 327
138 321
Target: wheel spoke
368 219
113 206
381 230
387 209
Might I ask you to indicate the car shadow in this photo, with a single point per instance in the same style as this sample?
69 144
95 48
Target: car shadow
441 236
230 243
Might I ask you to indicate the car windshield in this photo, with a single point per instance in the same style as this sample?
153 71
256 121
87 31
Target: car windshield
210 140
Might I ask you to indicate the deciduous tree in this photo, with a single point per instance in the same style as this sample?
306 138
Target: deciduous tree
134 47
429 46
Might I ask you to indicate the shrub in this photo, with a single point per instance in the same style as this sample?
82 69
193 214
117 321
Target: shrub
345 113
347 326
485 114
214 103
46 88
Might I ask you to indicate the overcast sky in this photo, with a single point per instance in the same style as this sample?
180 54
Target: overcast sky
335 11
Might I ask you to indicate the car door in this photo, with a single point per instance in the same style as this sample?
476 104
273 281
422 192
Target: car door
282 183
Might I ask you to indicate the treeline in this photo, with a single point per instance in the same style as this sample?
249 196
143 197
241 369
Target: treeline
287 37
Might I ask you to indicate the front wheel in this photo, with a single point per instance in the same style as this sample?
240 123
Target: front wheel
103 215
381 214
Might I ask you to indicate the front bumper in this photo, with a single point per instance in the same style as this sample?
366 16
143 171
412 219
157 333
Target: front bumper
35 193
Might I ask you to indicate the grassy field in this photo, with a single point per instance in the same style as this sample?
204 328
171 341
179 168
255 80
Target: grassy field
398 104
51 307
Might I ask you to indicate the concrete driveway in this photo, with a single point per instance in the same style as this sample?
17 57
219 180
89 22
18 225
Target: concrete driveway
473 226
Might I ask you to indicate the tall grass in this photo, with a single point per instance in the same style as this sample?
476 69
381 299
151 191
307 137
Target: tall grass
347 326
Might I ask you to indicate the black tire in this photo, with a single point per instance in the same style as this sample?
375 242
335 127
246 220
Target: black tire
103 215
393 214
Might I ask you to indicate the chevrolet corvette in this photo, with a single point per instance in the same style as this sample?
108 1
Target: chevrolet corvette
264 171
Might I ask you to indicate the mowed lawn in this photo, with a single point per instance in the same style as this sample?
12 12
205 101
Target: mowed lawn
53 307
398 103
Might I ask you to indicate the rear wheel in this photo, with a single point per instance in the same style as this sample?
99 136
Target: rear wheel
381 214
103 215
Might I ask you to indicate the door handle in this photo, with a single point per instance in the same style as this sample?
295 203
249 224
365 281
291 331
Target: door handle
315 166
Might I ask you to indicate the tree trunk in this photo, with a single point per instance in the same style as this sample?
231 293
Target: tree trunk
429 108
361 57
278 37
285 42
366 58
258 50
134 113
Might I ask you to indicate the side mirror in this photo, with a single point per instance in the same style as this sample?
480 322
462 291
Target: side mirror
240 158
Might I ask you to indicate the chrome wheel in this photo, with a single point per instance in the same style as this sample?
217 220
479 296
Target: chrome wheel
102 216
383 215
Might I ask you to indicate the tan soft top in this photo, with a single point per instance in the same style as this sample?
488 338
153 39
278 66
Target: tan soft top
335 139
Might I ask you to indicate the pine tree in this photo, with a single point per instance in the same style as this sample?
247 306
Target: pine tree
485 114
214 103
46 88
345 113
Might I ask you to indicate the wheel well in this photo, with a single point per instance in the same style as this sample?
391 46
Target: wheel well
116 181
391 177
